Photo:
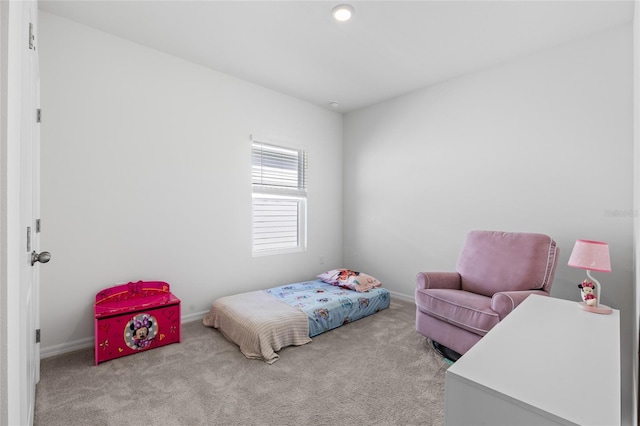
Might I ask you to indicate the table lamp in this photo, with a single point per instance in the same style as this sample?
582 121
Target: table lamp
592 256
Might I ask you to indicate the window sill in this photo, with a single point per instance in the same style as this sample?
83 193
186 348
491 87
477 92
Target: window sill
273 252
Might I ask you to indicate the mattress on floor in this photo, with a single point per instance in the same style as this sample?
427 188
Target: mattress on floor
265 321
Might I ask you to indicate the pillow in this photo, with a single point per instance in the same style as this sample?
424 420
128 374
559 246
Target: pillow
352 280
330 277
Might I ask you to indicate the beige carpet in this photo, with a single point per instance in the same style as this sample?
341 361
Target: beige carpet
377 370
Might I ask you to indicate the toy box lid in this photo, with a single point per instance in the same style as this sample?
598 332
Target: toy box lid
132 297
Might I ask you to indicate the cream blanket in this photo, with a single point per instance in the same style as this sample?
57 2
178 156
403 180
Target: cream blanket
259 324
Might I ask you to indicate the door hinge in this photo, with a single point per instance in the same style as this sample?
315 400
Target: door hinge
37 226
39 115
38 336
28 239
32 37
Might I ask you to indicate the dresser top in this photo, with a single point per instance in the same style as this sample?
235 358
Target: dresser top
552 357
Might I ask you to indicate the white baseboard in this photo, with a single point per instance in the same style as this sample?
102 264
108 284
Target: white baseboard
63 348
88 342
402 296
196 316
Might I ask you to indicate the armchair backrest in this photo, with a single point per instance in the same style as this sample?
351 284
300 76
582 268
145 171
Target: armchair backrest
492 261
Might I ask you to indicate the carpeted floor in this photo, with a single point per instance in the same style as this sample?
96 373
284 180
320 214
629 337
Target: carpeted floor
374 371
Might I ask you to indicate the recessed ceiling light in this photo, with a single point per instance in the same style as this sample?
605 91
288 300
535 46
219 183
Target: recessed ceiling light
342 12
333 104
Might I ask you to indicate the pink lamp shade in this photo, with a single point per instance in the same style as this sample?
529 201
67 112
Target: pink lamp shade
591 255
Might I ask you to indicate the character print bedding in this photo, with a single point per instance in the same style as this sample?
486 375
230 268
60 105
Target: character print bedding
263 322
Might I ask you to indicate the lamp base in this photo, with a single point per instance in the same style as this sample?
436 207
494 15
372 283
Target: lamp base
600 309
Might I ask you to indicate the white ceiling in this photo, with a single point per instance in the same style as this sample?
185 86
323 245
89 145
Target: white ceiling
389 48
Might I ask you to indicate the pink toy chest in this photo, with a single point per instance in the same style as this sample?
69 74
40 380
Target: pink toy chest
134 317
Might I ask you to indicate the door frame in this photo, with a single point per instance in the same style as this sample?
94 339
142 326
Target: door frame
4 244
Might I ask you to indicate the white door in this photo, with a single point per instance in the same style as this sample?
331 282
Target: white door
30 169
26 358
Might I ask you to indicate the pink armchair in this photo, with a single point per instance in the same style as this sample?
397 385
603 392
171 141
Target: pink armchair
495 272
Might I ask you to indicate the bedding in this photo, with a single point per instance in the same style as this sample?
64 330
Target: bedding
328 306
265 321
350 279
259 324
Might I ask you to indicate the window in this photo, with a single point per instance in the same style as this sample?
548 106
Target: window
279 180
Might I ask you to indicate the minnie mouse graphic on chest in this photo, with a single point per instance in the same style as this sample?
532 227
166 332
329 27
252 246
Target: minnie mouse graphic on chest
140 331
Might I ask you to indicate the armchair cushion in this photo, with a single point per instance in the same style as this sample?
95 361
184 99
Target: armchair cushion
466 310
492 262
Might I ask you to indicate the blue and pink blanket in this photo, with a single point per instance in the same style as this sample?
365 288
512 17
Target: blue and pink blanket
329 306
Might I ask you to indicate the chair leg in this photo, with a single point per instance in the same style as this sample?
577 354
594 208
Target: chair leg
445 352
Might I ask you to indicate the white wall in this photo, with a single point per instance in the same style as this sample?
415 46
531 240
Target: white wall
539 144
146 176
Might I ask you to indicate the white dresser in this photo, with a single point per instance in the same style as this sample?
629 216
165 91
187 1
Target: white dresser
547 363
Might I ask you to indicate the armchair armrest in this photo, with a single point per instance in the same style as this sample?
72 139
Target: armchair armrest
446 280
504 302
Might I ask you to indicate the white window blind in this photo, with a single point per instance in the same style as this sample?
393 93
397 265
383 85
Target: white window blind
279 197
